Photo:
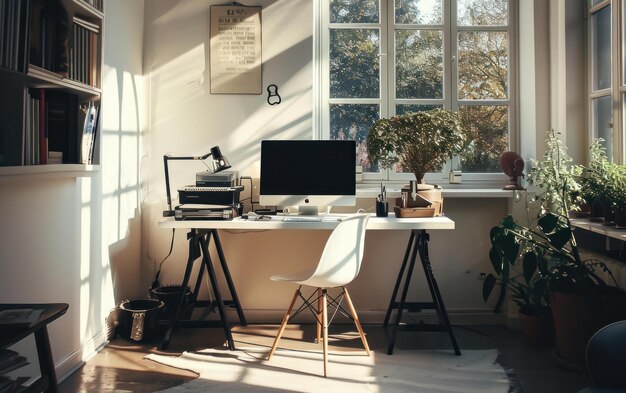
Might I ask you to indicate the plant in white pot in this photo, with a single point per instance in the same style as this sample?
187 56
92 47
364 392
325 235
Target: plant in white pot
420 142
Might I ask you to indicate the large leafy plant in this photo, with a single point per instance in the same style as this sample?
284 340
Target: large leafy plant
420 141
547 246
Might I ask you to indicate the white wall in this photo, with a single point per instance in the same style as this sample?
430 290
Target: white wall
77 240
186 119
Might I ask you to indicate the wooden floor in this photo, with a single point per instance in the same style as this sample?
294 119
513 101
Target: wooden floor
120 366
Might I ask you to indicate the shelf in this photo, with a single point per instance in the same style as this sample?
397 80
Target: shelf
53 170
372 192
43 78
597 227
83 8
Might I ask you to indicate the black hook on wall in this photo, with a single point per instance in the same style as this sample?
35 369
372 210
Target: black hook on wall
273 98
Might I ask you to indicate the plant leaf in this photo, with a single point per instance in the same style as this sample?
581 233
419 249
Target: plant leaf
548 222
560 237
529 265
488 284
495 256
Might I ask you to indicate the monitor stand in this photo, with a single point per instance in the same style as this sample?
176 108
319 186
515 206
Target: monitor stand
308 210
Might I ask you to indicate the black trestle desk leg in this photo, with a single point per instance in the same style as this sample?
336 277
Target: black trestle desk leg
181 297
216 292
434 290
401 306
397 285
229 279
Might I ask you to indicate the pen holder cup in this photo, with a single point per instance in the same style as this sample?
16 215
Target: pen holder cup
382 209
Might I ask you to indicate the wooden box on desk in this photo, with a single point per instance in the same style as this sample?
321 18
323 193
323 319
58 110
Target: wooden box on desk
428 203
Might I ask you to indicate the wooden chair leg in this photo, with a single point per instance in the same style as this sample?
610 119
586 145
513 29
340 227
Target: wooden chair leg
284 323
325 328
318 336
356 321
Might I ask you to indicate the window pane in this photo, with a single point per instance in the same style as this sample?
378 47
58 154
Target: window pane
602 122
354 63
419 64
354 11
596 2
601 57
401 109
482 13
483 65
421 12
488 138
352 122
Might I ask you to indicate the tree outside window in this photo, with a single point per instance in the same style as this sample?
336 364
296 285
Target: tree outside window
454 54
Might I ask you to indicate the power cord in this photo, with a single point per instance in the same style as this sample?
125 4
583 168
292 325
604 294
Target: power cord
252 202
155 283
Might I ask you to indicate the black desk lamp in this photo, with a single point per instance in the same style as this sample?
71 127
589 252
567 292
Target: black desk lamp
220 163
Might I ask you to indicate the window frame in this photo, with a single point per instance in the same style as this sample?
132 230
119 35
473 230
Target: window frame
387 100
617 89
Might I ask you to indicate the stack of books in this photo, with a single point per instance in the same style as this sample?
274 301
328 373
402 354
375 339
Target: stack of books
9 359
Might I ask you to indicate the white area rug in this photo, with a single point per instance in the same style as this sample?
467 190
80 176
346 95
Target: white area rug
246 370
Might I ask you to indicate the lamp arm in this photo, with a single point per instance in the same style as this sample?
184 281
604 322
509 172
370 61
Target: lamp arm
169 211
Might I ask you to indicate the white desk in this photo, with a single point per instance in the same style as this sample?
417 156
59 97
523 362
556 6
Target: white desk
374 223
201 232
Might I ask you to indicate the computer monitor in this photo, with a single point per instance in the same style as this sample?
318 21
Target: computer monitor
308 174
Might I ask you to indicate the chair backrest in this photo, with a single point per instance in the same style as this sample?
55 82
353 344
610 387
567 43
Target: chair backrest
605 356
341 259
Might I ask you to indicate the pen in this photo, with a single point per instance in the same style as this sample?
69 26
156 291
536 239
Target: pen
384 194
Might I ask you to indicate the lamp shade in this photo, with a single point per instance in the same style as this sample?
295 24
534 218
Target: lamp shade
220 162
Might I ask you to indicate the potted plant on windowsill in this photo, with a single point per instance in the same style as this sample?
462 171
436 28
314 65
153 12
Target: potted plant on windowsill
420 142
580 300
604 186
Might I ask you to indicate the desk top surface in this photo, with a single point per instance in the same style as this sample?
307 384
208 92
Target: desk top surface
374 223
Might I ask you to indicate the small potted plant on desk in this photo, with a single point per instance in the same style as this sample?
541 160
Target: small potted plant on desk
420 142
581 301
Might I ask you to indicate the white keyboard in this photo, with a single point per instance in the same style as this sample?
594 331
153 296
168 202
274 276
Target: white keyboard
302 218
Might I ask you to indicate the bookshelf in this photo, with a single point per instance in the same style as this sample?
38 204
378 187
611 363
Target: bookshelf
50 100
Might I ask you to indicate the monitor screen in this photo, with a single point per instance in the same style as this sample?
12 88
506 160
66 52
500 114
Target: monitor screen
308 173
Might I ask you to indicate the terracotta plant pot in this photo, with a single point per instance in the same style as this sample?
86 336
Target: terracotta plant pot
620 218
537 330
577 317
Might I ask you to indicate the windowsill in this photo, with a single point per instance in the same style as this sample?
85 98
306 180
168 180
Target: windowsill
369 190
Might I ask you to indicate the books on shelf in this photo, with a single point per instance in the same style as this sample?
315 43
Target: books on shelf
9 361
19 317
51 132
84 52
14 34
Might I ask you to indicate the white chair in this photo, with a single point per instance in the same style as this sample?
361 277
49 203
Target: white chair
339 265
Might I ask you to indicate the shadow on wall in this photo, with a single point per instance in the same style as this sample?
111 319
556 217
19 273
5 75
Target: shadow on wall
124 257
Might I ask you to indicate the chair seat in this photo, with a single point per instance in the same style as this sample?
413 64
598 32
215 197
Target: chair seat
297 277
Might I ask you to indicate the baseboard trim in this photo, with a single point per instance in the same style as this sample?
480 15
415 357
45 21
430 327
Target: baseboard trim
77 359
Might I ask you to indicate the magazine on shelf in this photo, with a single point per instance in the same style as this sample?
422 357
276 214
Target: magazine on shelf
19 316
89 130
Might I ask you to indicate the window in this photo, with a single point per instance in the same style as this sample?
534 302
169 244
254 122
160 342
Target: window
607 75
382 58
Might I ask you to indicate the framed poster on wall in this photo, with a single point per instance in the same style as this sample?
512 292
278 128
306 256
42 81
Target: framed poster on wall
236 49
